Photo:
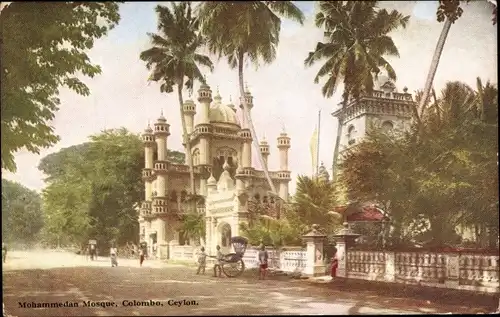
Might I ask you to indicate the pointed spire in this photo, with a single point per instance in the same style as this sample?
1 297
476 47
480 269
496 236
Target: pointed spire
211 180
246 86
230 99
161 113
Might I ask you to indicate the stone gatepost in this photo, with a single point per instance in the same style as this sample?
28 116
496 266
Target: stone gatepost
344 238
314 264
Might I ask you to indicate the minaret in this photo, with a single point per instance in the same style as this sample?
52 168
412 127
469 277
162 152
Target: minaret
162 131
204 130
189 110
283 173
249 99
147 171
264 150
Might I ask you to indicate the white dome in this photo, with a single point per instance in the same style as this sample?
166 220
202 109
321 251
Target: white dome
220 113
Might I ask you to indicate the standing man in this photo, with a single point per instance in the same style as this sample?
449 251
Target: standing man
113 252
141 256
263 258
4 252
218 264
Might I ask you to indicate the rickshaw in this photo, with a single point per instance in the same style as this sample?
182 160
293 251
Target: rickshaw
232 263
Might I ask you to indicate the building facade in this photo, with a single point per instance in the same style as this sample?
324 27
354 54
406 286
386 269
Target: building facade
221 149
384 109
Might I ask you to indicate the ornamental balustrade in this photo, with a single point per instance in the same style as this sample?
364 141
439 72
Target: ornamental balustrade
474 272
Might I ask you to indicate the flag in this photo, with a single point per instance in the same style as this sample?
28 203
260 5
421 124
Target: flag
313 146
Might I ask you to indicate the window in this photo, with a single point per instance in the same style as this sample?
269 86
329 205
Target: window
387 126
350 134
173 196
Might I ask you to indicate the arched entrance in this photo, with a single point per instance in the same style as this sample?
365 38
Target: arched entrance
224 233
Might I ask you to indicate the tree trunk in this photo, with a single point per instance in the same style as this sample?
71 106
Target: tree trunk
434 64
185 139
336 151
248 118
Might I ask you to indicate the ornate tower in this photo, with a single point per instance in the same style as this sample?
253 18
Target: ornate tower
204 129
283 173
162 131
249 99
384 109
147 171
189 110
264 149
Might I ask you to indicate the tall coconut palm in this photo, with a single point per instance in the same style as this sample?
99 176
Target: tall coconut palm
353 50
174 59
242 31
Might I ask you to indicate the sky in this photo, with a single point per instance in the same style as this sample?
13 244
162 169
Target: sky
284 92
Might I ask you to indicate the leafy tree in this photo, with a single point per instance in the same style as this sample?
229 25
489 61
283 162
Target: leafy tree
354 49
174 59
440 172
194 226
314 200
43 47
94 187
22 217
246 31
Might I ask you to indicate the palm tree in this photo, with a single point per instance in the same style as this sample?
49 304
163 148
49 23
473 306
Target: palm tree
314 200
174 58
448 11
243 31
356 42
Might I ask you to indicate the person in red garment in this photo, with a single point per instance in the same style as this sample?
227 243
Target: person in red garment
335 265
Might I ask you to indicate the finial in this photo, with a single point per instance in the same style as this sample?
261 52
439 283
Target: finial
230 99
283 129
263 137
149 123
217 89
246 86
161 113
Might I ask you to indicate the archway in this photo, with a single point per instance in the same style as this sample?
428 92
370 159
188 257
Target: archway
224 235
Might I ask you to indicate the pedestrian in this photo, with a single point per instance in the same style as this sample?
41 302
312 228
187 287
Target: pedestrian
4 252
263 258
335 265
92 252
113 252
141 256
218 262
202 261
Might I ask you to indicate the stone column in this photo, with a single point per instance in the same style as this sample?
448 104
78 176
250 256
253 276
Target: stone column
314 265
452 270
345 238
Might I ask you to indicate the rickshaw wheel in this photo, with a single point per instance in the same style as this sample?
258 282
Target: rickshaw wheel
233 269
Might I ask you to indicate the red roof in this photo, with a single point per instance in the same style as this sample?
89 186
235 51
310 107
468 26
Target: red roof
361 213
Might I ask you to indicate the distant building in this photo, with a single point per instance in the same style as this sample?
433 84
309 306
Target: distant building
221 149
384 109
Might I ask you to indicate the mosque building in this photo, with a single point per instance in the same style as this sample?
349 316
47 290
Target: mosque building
221 149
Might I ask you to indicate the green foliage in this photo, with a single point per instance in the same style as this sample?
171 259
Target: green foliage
313 201
174 59
93 189
356 43
246 31
194 225
43 48
440 172
22 217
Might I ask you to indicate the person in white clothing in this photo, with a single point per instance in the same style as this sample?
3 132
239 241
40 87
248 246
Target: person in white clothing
113 252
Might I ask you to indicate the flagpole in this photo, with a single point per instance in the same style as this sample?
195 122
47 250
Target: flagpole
317 145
